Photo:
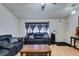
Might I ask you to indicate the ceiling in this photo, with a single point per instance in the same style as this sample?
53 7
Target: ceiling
33 10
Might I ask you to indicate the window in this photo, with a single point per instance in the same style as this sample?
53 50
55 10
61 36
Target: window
43 30
37 27
36 30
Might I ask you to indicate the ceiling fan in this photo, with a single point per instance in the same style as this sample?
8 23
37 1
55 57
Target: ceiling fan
43 6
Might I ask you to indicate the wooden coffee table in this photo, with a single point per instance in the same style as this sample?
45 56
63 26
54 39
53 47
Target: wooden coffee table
30 49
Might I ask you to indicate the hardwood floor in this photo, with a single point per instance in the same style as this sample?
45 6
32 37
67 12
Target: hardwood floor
62 51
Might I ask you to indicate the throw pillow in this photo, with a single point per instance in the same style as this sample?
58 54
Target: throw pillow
46 36
4 39
31 36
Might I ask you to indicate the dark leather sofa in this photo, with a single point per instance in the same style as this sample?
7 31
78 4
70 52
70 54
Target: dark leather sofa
10 46
37 38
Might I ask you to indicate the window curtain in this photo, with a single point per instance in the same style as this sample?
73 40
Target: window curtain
37 27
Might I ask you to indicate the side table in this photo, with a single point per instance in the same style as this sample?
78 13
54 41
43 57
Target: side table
75 39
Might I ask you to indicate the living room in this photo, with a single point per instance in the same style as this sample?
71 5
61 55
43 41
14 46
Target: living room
62 20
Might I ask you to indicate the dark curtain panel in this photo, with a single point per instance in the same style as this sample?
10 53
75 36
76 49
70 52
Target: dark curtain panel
37 27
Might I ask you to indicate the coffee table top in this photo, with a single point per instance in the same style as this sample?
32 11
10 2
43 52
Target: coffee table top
36 48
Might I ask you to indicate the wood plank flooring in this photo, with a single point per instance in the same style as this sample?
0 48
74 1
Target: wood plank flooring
62 51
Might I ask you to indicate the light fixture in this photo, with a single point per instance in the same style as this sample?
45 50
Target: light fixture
73 12
42 4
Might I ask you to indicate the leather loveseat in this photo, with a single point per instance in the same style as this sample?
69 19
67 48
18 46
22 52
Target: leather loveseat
37 38
10 46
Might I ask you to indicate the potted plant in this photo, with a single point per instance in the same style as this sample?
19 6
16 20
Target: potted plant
77 31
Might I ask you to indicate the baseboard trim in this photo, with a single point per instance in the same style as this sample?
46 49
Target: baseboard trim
68 44
62 44
72 46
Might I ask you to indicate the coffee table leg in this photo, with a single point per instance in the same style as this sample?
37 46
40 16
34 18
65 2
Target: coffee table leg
21 53
49 53
26 54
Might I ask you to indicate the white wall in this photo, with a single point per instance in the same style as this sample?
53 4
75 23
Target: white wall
56 24
8 22
10 25
72 23
64 27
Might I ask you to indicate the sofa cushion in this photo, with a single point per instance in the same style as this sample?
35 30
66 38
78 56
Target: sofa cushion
31 36
38 36
5 37
13 40
46 36
18 46
11 48
4 52
3 43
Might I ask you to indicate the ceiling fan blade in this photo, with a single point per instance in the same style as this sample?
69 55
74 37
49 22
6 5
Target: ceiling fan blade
43 6
54 3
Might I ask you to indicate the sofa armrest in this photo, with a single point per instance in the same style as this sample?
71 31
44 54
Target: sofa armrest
7 47
20 39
